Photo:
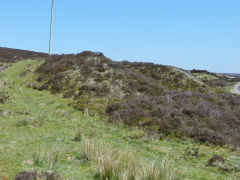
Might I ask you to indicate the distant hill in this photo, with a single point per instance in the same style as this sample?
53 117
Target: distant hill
231 75
12 55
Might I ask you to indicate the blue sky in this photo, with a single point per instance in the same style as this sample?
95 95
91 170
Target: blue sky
201 34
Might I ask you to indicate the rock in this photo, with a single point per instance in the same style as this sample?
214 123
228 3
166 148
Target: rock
69 158
25 175
33 175
83 157
219 162
7 112
42 104
50 175
23 112
27 162
3 97
193 152
216 161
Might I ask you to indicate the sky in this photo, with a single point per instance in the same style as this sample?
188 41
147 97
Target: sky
190 34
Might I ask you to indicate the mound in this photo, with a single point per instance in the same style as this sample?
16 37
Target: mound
12 55
157 98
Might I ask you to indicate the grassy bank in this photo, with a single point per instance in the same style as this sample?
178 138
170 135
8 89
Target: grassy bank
39 130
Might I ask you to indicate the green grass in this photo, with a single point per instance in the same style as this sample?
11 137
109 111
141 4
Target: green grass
40 127
209 77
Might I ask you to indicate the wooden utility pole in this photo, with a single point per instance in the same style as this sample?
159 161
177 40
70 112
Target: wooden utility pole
50 39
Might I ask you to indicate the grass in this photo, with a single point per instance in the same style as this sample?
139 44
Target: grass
225 89
45 135
78 135
112 163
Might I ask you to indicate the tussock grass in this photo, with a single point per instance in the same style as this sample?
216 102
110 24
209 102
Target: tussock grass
52 157
78 135
40 158
112 163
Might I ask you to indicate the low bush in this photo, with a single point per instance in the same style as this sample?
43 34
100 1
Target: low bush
206 118
90 105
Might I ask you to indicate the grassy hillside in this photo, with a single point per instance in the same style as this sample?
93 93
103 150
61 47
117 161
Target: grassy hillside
220 82
55 114
160 99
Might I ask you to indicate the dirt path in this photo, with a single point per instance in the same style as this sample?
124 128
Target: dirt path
236 89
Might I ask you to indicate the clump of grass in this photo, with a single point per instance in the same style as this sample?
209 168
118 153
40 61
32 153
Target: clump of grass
52 157
167 171
112 163
78 135
30 121
38 158
136 134
22 122
43 158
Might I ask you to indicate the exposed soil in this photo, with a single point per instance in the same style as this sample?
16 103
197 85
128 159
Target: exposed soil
236 89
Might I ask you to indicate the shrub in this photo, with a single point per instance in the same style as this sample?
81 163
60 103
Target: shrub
93 106
199 116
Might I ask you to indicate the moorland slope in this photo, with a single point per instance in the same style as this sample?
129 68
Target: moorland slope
159 99
85 116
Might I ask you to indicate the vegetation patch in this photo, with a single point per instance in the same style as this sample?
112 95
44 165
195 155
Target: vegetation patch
217 82
51 146
168 76
111 163
206 118
8 55
157 98
3 97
